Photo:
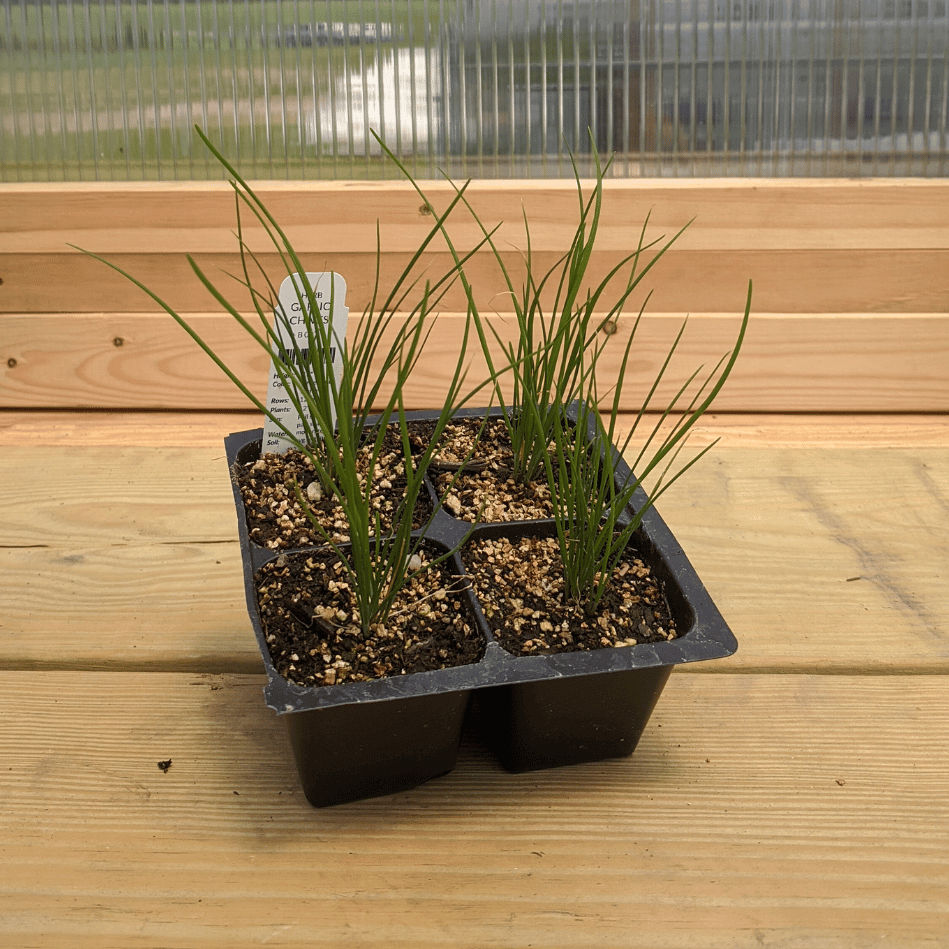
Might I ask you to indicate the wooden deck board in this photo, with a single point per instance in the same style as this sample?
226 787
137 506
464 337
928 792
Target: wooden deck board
792 796
758 810
791 362
128 557
199 429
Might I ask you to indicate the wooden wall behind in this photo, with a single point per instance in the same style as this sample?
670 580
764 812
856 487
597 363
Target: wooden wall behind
851 283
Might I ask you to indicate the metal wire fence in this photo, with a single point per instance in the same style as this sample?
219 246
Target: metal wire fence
112 89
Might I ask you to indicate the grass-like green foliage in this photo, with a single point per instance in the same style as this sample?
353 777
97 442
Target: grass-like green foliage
594 508
549 355
554 359
380 352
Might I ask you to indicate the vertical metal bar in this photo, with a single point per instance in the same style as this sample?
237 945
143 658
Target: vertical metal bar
783 89
878 88
763 68
561 118
43 143
411 87
90 88
894 95
331 102
791 146
389 88
173 105
659 40
696 86
203 85
829 53
9 111
575 22
59 67
512 94
610 36
710 87
911 92
282 28
543 30
479 80
429 85
626 96
789 17
944 109
292 106
528 111
218 73
26 134
726 89
125 104
583 144
743 97
812 13
74 87
927 94
859 37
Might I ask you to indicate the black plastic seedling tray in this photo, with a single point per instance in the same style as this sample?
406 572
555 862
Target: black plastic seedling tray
362 739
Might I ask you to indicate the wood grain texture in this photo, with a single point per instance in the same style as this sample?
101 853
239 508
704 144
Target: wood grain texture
805 281
816 206
830 246
821 559
791 796
197 429
791 811
831 362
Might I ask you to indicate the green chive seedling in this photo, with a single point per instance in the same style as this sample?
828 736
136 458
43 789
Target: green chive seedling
335 407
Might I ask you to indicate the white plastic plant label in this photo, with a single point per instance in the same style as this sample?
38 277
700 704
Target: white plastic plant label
292 328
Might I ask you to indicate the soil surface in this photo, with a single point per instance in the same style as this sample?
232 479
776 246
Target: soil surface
520 585
308 611
484 490
311 625
275 518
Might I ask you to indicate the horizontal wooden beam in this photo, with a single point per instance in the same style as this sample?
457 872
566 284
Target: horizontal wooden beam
822 362
810 246
101 428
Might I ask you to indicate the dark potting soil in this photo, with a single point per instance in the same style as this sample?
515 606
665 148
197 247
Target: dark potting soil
484 489
520 585
307 609
275 518
311 625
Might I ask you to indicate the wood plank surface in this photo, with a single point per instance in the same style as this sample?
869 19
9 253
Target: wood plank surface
820 362
198 429
808 205
829 246
821 559
791 796
792 811
797 281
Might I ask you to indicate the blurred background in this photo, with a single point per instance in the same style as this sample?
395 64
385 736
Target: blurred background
111 89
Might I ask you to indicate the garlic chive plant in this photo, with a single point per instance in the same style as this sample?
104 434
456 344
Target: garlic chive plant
598 503
551 349
306 375
338 426
554 360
